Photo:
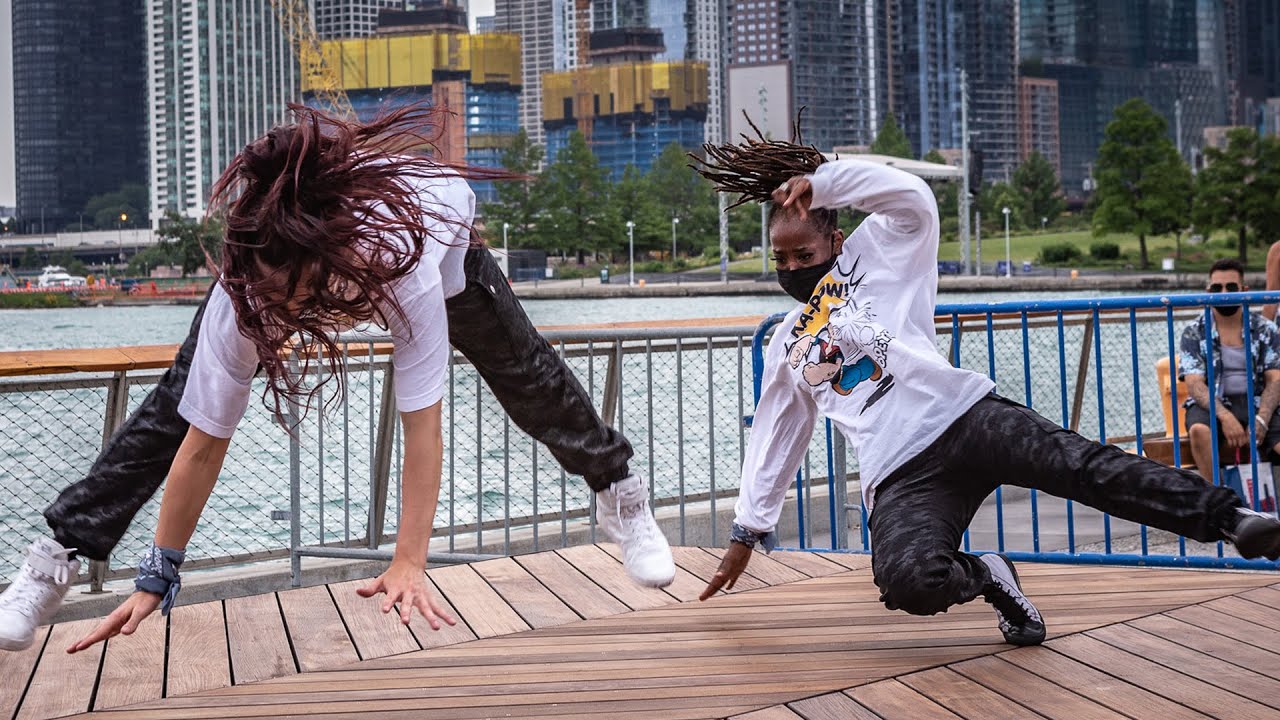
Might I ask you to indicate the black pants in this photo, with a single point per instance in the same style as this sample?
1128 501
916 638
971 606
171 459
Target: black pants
922 508
486 324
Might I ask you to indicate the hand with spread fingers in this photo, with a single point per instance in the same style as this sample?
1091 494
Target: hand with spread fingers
405 584
731 567
796 193
123 621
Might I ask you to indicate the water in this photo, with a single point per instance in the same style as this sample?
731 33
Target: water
149 325
682 412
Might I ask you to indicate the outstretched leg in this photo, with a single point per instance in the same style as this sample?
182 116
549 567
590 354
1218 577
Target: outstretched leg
544 398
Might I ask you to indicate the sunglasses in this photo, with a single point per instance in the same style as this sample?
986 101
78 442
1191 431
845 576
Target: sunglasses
1228 287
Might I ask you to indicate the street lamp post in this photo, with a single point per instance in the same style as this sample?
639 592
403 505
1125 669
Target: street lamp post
674 222
1008 255
506 257
631 243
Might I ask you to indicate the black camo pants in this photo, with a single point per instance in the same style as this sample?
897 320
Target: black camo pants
923 507
486 324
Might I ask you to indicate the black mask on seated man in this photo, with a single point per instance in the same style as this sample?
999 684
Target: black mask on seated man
801 283
1228 310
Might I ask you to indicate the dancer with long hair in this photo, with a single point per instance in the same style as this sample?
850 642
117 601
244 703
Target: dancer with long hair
332 224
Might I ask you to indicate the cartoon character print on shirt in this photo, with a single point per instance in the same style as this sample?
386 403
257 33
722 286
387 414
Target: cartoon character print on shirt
837 343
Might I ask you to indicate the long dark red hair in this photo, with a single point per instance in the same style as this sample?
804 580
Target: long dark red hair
321 219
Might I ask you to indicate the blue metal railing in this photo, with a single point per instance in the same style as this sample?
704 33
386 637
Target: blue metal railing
1090 315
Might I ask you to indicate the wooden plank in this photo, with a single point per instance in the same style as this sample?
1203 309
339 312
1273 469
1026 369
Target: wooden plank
703 565
892 700
832 706
537 605
765 568
684 587
1049 699
1176 686
15 673
1116 693
320 640
1226 625
1250 613
852 561
63 684
198 658
1210 643
447 634
259 645
811 564
1267 596
1187 661
585 597
777 712
375 634
134 666
484 610
964 697
607 572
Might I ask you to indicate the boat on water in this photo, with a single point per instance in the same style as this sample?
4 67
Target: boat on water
56 276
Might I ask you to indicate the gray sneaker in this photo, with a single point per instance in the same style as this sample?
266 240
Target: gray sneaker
1256 535
36 593
1019 620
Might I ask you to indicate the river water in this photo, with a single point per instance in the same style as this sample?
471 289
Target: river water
680 410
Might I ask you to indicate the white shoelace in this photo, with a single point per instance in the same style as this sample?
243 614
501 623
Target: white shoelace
635 518
28 593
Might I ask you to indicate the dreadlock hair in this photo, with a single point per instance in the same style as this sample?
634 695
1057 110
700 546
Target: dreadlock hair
322 216
757 167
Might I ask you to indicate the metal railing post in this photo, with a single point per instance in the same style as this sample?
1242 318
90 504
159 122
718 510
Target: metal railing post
116 411
384 444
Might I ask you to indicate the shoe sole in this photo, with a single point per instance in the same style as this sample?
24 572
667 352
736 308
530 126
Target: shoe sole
1267 547
15 646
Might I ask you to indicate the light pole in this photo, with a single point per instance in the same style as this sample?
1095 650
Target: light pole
977 239
674 222
506 258
631 243
1008 256
1043 222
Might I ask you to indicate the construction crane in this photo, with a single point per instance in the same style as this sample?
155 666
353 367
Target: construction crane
582 91
320 78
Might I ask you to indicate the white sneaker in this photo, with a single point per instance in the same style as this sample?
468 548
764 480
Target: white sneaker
622 511
36 593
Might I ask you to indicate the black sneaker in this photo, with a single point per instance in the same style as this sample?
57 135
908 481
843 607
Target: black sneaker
1019 620
1256 535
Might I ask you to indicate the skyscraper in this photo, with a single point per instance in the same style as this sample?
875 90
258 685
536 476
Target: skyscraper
221 74
349 18
79 101
1172 53
1252 32
932 41
1038 120
829 58
546 35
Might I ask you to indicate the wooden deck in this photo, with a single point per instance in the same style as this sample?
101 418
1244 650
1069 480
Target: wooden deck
565 634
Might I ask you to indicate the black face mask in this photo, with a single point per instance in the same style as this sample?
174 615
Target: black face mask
800 284
1228 310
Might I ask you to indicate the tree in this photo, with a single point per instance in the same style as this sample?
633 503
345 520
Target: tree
679 192
130 200
187 241
572 196
994 199
517 204
1238 187
891 140
631 199
1142 182
1037 183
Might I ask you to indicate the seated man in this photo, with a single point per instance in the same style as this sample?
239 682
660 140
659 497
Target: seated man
1230 375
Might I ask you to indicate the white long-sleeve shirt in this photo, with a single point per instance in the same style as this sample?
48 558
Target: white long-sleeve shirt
219 384
861 351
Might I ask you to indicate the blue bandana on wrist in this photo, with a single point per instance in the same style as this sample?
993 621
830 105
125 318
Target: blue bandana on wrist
158 573
750 538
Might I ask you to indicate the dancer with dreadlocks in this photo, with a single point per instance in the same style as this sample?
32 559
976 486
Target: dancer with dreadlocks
933 440
331 223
